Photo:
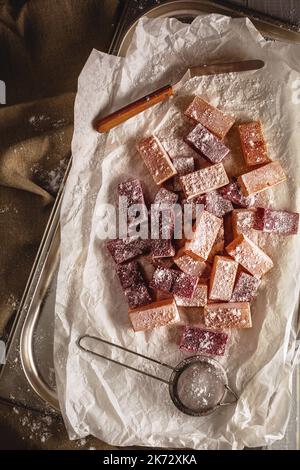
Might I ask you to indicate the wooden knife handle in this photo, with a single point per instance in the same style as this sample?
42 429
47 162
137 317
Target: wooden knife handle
132 109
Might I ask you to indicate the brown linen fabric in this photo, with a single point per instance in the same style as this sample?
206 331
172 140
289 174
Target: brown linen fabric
43 46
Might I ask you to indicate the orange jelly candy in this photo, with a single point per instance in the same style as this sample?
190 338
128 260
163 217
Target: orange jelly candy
156 159
253 143
228 315
204 180
261 178
222 278
242 222
204 235
191 266
209 116
249 256
153 315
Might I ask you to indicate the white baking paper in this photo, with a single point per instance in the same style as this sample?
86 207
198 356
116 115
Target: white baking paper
117 405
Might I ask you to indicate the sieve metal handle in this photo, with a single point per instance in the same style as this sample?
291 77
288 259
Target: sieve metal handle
224 403
101 340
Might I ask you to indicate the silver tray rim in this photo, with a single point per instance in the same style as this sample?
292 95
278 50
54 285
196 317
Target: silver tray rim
26 313
271 28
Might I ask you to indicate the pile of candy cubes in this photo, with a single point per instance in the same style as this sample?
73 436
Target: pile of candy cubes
218 269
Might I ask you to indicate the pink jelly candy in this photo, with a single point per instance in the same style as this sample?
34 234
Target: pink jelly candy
165 197
184 285
192 266
243 222
204 236
163 279
273 221
137 296
245 289
131 189
183 166
133 284
197 340
249 255
205 143
262 178
228 315
216 204
124 250
232 192
129 274
133 192
170 280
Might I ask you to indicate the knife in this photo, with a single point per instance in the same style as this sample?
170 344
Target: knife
162 94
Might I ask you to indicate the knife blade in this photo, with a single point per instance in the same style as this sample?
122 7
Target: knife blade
116 118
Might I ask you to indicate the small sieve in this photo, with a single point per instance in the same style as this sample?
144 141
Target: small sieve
197 385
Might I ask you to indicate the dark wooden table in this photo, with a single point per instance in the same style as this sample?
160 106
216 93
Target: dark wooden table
286 10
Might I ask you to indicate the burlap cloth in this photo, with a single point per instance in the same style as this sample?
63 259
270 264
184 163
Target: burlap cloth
43 46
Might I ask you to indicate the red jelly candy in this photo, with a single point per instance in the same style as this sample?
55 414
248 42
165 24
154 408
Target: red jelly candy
216 204
245 289
183 165
130 195
124 250
201 341
170 280
133 284
185 285
162 248
129 274
232 192
131 189
165 197
163 279
137 295
205 143
280 222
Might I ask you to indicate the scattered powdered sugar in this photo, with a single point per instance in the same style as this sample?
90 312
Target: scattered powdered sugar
13 302
40 122
37 428
8 208
50 180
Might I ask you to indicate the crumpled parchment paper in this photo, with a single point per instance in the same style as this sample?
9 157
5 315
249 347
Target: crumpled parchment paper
117 405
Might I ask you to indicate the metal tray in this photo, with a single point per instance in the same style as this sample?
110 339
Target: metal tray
30 345
29 365
187 10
